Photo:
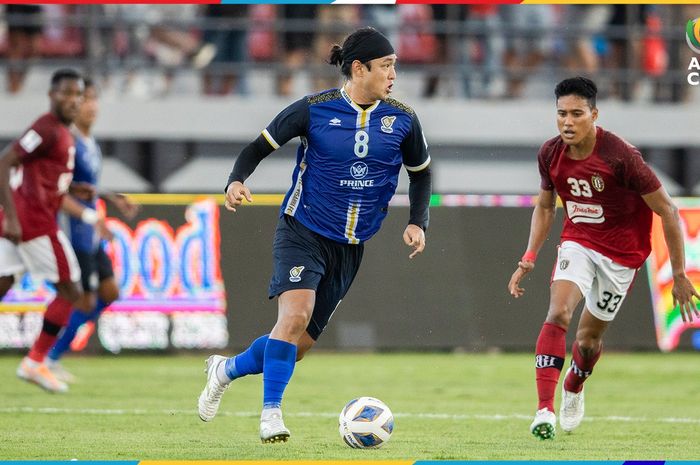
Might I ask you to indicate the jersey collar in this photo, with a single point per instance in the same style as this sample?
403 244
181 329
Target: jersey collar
362 114
358 108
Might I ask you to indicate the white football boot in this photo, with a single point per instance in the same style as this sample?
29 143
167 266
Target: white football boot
544 424
40 375
210 398
571 409
59 371
272 427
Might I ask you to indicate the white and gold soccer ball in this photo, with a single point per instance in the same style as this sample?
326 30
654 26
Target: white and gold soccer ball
365 423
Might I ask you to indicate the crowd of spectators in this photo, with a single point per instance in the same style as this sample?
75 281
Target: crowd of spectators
471 51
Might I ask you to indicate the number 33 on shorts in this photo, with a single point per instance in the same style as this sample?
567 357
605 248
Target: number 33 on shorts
603 283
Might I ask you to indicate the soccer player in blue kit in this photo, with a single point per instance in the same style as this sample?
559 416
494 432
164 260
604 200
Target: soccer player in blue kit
354 141
97 276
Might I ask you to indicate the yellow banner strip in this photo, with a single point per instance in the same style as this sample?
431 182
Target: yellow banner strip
21 307
188 199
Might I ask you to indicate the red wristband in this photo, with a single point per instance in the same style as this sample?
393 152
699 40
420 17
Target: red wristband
529 256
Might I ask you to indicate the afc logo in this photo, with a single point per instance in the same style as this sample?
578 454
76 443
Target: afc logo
359 170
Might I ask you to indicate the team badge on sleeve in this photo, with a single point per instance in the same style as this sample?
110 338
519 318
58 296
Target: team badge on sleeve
295 274
597 182
387 122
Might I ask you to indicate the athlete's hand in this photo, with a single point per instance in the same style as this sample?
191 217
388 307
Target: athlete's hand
102 230
414 236
11 229
125 206
683 292
235 193
83 190
524 267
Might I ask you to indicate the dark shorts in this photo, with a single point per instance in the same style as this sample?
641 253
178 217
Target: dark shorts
24 19
303 259
94 268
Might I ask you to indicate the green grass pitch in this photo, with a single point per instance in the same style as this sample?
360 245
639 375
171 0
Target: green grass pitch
446 406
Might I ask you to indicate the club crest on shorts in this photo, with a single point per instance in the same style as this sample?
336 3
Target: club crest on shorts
387 121
564 264
597 182
295 274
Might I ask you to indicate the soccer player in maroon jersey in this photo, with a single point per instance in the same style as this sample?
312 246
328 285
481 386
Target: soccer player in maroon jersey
609 195
35 173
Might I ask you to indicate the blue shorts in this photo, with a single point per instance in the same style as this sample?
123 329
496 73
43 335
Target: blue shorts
303 259
95 267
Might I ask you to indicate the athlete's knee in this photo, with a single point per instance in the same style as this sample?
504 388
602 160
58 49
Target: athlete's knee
6 283
108 291
560 316
589 344
86 302
296 321
295 310
588 352
69 291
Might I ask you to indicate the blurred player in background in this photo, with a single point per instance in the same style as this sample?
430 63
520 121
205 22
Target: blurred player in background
97 276
35 173
353 143
609 195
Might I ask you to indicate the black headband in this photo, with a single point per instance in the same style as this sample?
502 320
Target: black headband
372 46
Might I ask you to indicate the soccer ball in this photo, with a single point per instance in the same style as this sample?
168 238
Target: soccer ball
365 423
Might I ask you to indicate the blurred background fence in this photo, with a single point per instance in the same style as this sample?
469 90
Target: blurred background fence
185 87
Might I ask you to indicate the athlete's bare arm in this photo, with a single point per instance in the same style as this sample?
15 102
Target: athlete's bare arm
683 290
540 225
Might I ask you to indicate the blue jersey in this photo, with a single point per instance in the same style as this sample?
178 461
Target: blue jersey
348 163
88 164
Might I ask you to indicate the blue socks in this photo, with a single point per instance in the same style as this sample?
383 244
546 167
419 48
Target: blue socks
249 362
279 360
77 318
275 356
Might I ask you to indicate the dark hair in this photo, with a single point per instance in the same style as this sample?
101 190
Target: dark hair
336 59
65 73
579 86
351 41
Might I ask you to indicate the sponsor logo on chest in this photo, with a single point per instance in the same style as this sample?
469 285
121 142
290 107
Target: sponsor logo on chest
584 212
359 171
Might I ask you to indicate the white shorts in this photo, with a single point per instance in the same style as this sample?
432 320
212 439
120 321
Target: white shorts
603 283
49 257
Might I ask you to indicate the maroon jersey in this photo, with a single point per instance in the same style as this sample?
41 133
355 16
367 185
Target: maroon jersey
602 196
47 156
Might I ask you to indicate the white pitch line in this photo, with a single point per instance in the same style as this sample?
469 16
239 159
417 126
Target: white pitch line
432 416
